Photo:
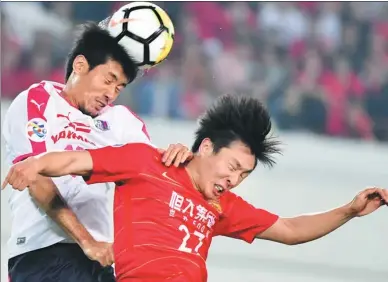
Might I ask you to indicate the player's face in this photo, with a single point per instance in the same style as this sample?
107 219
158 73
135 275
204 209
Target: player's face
224 170
100 86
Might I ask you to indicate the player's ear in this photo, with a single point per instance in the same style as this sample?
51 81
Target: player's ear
206 147
80 65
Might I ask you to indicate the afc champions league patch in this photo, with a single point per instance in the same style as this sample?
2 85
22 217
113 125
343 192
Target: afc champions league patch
101 125
36 129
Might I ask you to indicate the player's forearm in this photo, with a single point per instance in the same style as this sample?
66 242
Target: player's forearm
64 163
307 228
47 196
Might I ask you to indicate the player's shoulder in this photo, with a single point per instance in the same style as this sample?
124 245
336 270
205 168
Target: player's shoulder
125 112
141 150
142 146
124 115
229 196
38 93
230 200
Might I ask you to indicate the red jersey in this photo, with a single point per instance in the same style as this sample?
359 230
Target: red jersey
163 226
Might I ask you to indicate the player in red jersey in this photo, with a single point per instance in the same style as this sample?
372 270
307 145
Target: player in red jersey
165 218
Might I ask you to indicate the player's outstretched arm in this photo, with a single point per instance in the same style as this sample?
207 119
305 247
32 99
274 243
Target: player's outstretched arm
306 228
25 173
63 163
108 164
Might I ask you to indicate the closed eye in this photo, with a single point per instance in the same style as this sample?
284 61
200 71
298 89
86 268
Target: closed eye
120 87
244 175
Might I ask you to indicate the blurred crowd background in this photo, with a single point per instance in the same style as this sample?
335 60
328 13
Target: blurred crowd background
320 67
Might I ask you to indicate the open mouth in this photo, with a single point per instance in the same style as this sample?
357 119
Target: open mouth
218 189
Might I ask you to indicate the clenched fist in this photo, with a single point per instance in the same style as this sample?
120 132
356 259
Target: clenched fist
368 201
22 174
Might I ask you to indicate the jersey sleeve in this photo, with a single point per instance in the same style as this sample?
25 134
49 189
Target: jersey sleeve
18 144
241 220
117 164
29 106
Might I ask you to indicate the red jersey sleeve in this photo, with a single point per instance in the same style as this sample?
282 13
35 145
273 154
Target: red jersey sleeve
241 220
113 164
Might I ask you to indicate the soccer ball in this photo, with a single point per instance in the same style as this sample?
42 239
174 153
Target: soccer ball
145 31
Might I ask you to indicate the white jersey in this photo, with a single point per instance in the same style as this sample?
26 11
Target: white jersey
40 120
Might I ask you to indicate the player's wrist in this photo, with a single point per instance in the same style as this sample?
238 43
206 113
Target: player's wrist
39 166
86 243
82 237
348 212
43 164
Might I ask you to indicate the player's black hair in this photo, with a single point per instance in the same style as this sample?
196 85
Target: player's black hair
98 46
238 118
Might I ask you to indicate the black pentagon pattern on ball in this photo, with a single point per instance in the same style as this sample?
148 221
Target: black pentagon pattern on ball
147 41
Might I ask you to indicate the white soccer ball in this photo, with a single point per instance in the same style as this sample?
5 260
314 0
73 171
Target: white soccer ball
145 31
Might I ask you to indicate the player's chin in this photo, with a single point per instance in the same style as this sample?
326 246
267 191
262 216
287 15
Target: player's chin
90 111
94 111
212 195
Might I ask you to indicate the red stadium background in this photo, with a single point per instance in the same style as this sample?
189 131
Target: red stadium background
320 67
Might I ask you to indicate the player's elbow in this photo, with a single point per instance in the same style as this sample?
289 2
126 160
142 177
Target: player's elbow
292 241
42 190
282 232
292 236
289 238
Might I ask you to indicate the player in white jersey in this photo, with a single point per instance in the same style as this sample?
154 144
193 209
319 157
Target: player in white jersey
52 117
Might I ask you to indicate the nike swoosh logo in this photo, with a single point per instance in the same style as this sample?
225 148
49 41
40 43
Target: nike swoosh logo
166 179
164 174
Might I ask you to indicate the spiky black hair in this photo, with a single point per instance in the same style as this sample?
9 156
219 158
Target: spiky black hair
238 118
98 46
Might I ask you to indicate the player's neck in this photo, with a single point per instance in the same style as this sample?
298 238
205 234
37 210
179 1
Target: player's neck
70 97
193 173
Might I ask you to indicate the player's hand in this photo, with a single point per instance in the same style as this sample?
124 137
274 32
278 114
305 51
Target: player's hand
22 174
368 201
176 154
99 251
